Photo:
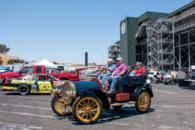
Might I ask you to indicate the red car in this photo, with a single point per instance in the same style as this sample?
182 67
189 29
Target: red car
40 69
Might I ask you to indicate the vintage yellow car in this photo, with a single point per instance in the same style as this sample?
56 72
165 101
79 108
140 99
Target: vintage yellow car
34 83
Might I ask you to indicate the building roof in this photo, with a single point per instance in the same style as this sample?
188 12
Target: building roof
185 7
150 15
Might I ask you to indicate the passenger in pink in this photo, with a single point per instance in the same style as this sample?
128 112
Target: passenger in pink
120 70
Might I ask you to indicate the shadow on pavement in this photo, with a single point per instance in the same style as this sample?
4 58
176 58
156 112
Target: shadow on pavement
108 116
31 94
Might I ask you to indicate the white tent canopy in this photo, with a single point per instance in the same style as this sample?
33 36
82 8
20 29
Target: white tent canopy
47 63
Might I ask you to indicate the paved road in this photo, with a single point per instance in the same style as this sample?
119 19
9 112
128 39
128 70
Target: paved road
172 108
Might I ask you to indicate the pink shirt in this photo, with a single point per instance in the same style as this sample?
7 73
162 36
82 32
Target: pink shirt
120 68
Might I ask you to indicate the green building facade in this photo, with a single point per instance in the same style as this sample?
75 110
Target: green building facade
129 45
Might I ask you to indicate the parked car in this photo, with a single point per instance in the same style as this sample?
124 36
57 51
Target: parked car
40 69
33 83
4 69
152 76
86 99
189 81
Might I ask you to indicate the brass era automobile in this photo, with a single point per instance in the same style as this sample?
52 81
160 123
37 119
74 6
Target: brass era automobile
86 99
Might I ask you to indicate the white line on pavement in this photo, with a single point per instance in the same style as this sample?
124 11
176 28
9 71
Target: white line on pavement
165 106
13 126
28 114
37 102
164 92
44 108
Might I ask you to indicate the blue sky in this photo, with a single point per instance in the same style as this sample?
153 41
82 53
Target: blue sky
62 30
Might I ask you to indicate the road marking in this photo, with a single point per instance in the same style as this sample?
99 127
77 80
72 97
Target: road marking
167 127
44 108
37 102
168 106
164 92
28 114
12 126
118 123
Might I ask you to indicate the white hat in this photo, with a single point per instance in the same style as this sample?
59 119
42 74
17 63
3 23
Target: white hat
119 59
138 63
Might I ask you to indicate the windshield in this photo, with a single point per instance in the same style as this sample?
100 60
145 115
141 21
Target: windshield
28 77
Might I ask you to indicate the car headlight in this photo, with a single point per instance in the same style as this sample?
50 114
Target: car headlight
67 91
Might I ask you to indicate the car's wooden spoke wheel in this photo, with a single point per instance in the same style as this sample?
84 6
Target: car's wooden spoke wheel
143 102
60 107
87 109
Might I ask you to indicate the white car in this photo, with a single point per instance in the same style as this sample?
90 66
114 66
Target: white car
152 75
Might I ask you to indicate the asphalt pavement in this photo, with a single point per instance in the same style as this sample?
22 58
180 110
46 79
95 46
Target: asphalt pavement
172 108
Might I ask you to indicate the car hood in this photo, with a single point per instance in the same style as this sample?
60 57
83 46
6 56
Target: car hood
82 86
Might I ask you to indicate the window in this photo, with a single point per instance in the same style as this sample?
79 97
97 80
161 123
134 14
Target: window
41 77
27 70
192 36
52 70
184 38
176 41
39 69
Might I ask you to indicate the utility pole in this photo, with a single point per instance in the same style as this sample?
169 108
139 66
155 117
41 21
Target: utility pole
86 58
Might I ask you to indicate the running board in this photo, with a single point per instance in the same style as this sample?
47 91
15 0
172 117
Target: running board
119 104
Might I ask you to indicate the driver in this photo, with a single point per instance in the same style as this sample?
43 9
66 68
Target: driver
108 70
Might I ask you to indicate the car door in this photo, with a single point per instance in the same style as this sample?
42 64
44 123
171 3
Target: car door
44 84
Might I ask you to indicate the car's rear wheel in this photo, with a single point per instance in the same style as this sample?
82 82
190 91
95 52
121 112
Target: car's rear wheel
24 89
87 109
59 106
143 102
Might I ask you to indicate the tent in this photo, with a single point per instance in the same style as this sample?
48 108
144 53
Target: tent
47 63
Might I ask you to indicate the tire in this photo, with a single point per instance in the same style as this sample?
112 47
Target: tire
59 110
192 86
24 90
87 103
143 102
2 82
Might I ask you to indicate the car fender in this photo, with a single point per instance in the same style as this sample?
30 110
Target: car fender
83 93
99 94
140 89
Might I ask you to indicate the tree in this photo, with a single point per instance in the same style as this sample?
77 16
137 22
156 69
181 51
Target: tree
12 61
1 61
4 49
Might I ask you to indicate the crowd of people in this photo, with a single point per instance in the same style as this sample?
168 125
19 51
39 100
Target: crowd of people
114 71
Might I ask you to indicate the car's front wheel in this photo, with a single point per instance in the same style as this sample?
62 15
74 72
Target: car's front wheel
59 106
143 102
87 109
24 89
